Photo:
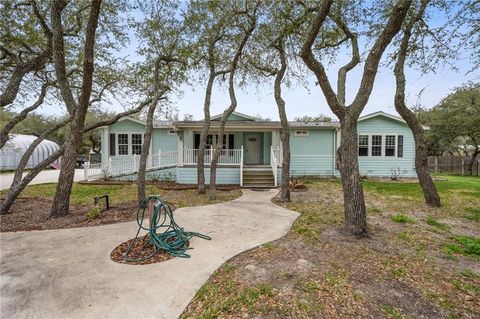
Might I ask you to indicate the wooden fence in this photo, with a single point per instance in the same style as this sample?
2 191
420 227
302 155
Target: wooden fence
453 165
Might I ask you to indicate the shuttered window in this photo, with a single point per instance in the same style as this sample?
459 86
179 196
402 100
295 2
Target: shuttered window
400 146
112 145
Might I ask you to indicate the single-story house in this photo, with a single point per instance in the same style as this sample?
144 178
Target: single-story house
251 149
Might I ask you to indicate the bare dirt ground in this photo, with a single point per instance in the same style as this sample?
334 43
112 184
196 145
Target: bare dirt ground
404 270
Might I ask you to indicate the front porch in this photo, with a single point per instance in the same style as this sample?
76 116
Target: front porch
232 167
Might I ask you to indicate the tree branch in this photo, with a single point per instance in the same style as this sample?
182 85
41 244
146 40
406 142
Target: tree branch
316 66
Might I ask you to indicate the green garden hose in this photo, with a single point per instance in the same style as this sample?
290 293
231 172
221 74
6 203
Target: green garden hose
163 233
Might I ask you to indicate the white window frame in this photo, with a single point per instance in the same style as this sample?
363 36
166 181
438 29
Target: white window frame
383 135
301 133
129 142
368 145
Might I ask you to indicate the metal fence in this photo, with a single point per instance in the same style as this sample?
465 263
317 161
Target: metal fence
453 165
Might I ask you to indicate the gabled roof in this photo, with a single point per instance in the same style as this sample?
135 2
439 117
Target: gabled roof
381 113
157 124
245 116
387 115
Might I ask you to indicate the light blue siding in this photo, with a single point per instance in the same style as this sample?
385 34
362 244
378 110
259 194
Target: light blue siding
312 155
127 126
225 175
168 174
162 140
382 166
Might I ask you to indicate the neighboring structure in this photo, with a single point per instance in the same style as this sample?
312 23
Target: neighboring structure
16 146
251 154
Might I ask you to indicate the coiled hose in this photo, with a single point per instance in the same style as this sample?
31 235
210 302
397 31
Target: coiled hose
163 233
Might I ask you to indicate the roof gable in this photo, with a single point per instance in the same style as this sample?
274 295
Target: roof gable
235 116
381 113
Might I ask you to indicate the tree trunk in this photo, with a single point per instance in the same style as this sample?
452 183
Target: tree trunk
285 185
471 160
285 130
142 169
421 153
347 163
19 184
203 135
61 201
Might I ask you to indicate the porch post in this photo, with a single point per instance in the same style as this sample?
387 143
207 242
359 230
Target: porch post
180 147
106 140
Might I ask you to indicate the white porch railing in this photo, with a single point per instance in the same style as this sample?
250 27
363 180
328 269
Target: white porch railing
274 160
129 164
227 157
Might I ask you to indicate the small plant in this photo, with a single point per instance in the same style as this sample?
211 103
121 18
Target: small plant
105 172
392 312
402 218
464 245
94 212
395 173
435 223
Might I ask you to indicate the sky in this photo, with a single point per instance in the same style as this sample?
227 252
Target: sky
308 99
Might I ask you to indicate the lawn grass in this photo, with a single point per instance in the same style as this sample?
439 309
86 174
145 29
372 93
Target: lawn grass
419 262
83 194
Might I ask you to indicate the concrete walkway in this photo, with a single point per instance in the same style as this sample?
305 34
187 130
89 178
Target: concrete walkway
68 273
47 176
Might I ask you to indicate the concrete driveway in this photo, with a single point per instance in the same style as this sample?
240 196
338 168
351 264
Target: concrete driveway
68 273
47 176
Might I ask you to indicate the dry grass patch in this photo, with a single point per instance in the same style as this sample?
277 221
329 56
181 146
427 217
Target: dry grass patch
401 271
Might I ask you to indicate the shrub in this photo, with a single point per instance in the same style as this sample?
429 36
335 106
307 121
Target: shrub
402 218
94 212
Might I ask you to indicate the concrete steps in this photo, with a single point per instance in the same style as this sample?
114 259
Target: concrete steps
258 176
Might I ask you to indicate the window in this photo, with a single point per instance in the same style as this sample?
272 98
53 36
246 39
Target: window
376 145
209 141
172 132
390 145
228 141
363 145
300 133
136 144
122 144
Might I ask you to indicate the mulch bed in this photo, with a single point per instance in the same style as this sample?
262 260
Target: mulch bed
139 250
159 184
32 214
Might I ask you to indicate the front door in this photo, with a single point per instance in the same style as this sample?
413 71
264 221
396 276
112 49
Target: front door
252 149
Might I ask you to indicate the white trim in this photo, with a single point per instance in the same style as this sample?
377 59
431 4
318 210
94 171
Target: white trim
129 118
248 117
387 115
383 145
129 142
